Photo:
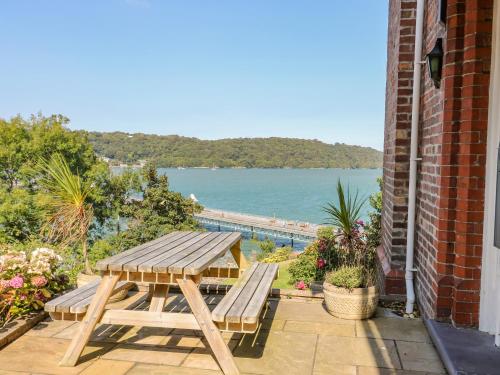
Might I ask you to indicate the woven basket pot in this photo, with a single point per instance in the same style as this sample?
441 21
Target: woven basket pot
83 279
359 303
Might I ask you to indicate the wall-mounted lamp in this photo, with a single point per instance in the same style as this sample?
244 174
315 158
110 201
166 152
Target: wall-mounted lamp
435 62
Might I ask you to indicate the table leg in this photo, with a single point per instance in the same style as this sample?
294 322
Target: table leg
239 257
160 294
90 320
204 318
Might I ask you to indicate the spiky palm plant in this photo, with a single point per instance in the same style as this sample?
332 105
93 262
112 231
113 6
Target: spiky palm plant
70 214
348 211
345 216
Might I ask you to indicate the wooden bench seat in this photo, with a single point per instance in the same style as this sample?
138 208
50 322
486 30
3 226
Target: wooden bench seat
240 309
74 304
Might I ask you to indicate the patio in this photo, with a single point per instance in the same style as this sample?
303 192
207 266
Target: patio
297 337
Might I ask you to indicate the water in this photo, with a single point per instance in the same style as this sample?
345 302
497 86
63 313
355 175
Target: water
292 194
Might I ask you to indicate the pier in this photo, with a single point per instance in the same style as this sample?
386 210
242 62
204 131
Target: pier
268 226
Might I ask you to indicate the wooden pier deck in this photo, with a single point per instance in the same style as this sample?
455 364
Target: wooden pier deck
260 224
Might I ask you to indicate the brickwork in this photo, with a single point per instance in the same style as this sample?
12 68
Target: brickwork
400 42
452 146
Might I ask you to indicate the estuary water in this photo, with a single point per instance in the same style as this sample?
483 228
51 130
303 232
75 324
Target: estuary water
292 194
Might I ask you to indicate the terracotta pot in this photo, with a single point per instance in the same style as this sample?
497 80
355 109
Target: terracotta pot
83 279
359 303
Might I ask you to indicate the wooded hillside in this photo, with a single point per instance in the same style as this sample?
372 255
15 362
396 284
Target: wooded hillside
176 151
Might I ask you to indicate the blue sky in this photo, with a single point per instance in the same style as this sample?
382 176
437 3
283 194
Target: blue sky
207 69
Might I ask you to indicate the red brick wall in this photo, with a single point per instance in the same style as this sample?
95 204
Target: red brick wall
452 145
400 46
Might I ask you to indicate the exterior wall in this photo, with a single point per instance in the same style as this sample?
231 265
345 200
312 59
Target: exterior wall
452 145
399 85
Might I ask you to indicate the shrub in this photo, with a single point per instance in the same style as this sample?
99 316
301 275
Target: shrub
348 277
326 233
279 255
266 247
304 268
27 281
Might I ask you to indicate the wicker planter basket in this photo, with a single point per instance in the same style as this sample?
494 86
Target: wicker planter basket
83 279
360 303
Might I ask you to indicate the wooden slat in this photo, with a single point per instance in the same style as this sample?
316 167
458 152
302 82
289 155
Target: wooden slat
170 248
82 305
155 249
254 307
102 265
150 319
178 253
72 296
220 311
235 312
163 265
178 265
202 263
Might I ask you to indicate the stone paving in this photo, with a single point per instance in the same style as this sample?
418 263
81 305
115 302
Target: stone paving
296 337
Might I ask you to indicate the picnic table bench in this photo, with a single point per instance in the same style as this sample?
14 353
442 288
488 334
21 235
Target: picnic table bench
179 258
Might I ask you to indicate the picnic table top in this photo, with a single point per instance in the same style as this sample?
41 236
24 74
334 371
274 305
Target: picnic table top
188 253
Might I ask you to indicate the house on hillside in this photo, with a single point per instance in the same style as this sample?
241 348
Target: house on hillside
455 100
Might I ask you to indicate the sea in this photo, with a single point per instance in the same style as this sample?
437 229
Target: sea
291 194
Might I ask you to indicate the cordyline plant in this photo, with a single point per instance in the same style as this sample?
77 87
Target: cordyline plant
350 242
70 214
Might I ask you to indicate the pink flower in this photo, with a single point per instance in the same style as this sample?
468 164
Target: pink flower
320 263
39 281
301 285
23 297
360 222
16 282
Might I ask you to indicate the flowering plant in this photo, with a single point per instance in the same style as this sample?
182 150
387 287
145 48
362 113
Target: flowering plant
27 281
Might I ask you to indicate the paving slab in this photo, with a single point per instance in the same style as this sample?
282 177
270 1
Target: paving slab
148 354
393 329
419 356
42 355
320 328
141 369
385 371
49 328
106 366
355 351
337 370
276 352
310 311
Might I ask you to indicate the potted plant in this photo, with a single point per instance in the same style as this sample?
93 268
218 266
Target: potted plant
350 289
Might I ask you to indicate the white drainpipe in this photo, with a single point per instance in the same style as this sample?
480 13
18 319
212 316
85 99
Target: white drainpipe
410 240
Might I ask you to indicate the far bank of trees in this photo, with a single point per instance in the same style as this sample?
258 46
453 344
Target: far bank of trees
177 151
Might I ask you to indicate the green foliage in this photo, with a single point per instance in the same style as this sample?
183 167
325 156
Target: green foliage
279 255
266 249
161 211
373 229
174 151
304 268
21 215
346 214
348 277
326 232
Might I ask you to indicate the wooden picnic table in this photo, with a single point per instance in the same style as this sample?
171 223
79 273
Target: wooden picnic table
179 258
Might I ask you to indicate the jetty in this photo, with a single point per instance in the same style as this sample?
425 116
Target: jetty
269 226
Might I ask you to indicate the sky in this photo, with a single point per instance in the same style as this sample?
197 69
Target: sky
206 69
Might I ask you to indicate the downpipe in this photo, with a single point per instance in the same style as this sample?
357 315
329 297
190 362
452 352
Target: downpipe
412 185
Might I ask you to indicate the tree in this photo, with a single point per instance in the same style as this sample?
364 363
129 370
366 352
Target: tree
70 214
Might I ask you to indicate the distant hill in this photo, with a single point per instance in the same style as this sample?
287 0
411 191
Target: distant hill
177 151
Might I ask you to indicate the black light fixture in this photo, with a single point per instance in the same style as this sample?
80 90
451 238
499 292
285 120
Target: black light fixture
435 62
